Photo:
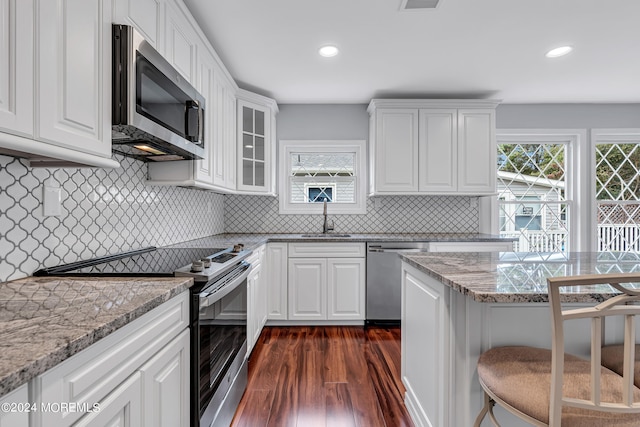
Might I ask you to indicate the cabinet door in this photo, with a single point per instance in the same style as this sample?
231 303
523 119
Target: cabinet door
256 314
438 150
144 15
180 42
16 66
19 396
207 87
396 151
307 289
165 382
276 281
254 130
224 131
121 408
476 151
345 288
74 74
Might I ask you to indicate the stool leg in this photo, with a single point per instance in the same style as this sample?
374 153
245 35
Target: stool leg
487 408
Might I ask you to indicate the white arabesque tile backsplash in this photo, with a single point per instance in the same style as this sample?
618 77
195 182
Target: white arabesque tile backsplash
107 211
103 212
389 214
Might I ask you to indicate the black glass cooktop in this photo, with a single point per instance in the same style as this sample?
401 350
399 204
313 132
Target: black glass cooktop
144 262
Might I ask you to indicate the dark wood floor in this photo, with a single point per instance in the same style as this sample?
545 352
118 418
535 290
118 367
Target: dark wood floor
324 376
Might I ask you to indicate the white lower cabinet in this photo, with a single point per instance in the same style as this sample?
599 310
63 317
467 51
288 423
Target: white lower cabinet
122 408
14 416
136 376
307 289
256 298
345 288
275 278
326 281
166 386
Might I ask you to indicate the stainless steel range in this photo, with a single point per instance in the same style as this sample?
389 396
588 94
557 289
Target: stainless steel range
218 318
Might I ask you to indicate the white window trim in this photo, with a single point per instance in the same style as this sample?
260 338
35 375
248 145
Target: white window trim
577 167
286 147
603 136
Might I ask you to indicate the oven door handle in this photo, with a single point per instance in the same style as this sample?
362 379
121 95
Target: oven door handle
224 286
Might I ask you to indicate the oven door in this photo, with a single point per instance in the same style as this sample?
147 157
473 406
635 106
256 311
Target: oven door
222 347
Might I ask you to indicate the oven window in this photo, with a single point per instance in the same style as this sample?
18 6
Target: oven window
223 333
158 98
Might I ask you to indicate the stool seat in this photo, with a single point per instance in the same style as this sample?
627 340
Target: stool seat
520 377
613 358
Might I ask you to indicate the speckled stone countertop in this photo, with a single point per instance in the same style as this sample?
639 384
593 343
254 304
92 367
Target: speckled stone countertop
45 320
253 240
521 277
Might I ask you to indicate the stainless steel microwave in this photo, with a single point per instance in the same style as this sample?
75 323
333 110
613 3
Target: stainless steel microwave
156 114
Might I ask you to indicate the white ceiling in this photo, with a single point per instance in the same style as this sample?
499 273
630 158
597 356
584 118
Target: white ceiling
461 49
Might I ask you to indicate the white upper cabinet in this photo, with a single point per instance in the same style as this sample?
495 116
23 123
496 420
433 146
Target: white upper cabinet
16 66
256 116
396 150
55 81
432 147
145 16
477 150
74 74
181 42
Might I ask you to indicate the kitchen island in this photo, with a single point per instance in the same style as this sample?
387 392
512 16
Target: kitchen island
457 305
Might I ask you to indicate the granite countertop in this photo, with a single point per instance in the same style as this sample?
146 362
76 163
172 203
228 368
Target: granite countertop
45 320
254 240
521 277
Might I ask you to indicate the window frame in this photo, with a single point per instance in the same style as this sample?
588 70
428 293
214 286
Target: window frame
603 136
287 147
576 168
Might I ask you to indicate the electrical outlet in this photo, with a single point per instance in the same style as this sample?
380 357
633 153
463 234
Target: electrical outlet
52 201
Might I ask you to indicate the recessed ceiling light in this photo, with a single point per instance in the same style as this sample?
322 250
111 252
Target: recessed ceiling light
328 51
559 51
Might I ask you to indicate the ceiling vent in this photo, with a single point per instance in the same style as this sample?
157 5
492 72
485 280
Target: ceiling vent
418 4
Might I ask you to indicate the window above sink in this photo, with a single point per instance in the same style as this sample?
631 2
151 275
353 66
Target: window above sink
312 172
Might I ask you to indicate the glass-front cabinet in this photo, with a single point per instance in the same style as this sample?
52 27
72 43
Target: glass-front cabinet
256 147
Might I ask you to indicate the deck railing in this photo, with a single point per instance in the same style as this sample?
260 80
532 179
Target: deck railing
611 237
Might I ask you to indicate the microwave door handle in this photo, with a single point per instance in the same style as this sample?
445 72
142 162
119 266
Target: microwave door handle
193 120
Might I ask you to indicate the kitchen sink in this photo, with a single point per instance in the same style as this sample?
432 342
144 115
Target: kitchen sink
326 235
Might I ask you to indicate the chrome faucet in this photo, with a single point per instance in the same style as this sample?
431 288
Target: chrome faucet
326 227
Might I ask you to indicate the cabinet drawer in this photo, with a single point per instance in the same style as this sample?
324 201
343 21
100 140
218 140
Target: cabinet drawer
90 375
327 250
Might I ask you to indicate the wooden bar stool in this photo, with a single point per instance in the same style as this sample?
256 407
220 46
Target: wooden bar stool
554 388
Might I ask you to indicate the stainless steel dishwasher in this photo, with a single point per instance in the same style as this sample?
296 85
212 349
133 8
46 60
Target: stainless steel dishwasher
383 279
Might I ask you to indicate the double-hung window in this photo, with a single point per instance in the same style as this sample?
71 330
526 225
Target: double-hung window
314 172
535 193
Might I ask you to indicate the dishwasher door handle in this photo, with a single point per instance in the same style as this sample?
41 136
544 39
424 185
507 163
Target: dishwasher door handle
395 250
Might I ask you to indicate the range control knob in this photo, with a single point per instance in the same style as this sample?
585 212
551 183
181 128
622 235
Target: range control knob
206 262
197 266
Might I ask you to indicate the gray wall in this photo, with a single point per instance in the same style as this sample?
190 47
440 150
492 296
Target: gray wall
567 116
323 121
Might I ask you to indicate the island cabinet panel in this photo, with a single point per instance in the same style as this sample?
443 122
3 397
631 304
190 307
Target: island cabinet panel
10 418
425 345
